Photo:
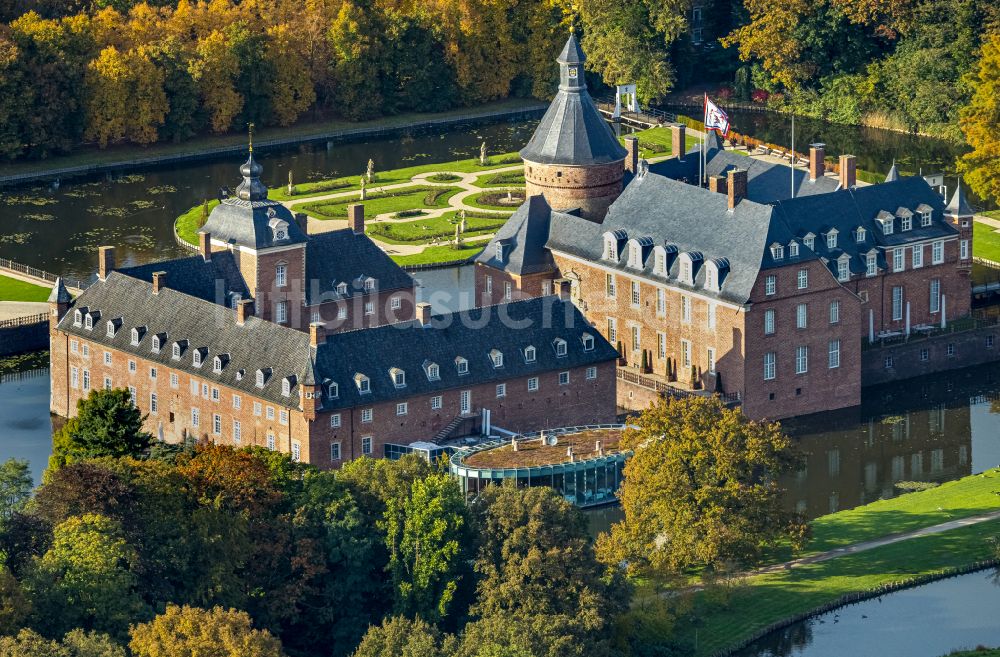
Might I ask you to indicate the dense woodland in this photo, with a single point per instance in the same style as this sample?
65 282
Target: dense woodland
134 547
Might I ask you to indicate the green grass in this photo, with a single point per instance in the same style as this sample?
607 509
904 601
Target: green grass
476 200
12 289
985 241
434 254
393 176
424 230
303 130
502 179
992 214
656 142
397 200
187 224
767 599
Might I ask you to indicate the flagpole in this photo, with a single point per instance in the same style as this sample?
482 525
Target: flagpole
704 138
793 155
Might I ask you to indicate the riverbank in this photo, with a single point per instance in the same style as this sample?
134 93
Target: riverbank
94 160
782 594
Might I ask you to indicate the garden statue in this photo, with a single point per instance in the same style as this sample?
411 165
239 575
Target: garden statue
371 169
291 185
482 154
364 193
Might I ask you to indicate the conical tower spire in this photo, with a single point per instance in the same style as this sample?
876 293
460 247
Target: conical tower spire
59 292
959 205
571 59
893 174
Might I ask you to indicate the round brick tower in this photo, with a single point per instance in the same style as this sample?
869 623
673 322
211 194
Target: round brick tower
574 159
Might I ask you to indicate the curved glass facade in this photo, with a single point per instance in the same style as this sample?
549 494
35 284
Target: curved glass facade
586 482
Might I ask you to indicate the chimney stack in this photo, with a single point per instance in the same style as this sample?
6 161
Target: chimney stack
244 310
424 313
356 218
317 334
848 171
105 261
817 164
736 187
632 159
159 281
717 184
302 219
678 140
205 245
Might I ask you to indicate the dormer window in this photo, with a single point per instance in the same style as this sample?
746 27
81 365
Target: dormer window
332 390
885 220
843 268
777 252
286 385
905 219
198 356
240 374
369 284
156 344
462 365
219 362
831 239
860 234
112 328
88 322
809 241
793 249
560 346
925 211
342 288
261 378
871 264
398 377
496 356
176 352
136 336
715 273
77 318
611 242
279 227
588 342
432 371
660 262
362 383
529 354
499 253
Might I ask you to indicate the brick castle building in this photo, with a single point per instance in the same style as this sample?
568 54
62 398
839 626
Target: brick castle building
764 285
313 345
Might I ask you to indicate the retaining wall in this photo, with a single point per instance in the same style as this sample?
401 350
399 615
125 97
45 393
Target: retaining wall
24 334
931 355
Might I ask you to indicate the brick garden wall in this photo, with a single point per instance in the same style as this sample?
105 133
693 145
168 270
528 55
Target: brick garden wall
27 334
974 347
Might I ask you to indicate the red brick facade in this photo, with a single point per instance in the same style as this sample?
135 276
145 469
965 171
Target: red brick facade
591 188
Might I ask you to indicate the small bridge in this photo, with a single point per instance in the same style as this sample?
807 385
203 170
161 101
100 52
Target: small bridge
643 119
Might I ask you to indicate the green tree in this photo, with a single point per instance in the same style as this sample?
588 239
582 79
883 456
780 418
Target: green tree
185 631
427 549
85 579
355 42
701 489
15 487
401 637
107 423
981 124
214 70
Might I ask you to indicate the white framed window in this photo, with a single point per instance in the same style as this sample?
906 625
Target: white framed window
871 265
237 432
831 239
77 318
462 365
686 309
793 249
636 338
685 353
131 367
659 262
501 390
270 441
155 344
367 415
636 300
296 451
269 413
499 251
195 417
529 354
496 357
777 252
833 354
74 346
508 291
402 408
843 270
963 249
398 377
591 373
110 331
801 316
711 315
612 330
395 303
886 225
366 445
685 274
588 342
174 380
769 366
635 255
801 360
935 301
335 421
216 424
610 287
546 288
563 378
369 284
937 252
152 373
86 380
925 219
860 234
661 302
918 255
341 313
281 312
86 350
898 259
835 312
135 337
769 322
436 403
217 365
906 222
107 357
560 347
176 351
369 307
897 303
809 241
770 285
803 279
257 408
661 345
533 384
107 383
283 416
237 402
132 396
363 383
465 402
489 285
335 451
215 394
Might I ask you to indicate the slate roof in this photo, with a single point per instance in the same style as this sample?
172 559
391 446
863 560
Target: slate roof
59 292
249 218
341 256
258 344
572 131
959 206
523 237
216 280
470 335
893 174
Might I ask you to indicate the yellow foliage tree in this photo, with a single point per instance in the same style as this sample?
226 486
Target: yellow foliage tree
185 631
215 69
980 121
107 82
293 92
148 104
769 36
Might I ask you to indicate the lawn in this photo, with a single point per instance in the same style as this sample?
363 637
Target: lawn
397 200
985 241
434 254
188 224
393 176
656 142
486 200
12 289
502 179
424 230
767 599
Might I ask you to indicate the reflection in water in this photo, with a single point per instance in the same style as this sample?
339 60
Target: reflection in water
25 423
963 611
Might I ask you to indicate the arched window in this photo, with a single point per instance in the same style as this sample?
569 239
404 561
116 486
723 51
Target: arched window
111 329
260 379
217 364
135 336
196 358
286 386
176 351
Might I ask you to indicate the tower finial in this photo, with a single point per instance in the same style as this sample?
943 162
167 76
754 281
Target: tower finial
250 130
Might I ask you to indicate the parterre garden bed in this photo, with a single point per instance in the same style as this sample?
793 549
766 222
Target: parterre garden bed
445 253
498 199
425 230
398 200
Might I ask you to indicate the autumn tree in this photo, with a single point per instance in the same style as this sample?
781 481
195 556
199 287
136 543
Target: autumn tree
15 487
107 423
701 489
981 124
107 81
399 636
76 643
292 90
215 69
181 631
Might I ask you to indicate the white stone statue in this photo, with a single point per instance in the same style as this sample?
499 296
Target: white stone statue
482 154
371 170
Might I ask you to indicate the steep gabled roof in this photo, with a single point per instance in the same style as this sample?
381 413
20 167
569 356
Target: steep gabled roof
341 256
215 280
959 206
59 292
523 236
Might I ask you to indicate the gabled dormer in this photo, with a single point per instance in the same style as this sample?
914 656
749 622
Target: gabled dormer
832 237
905 219
690 262
860 235
716 271
113 326
398 377
362 383
793 249
886 222
432 371
809 241
926 214
613 241
638 250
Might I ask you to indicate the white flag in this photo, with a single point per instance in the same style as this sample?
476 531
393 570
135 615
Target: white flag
715 118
